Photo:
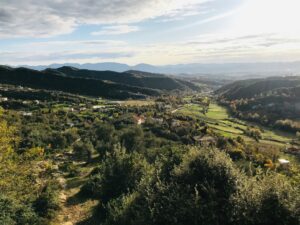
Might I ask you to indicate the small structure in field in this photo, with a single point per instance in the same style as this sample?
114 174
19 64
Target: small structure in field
284 163
27 114
139 119
97 107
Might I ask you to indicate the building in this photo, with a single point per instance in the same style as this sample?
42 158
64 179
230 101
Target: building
284 163
139 119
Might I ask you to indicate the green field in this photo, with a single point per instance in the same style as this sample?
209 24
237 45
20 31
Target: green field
219 120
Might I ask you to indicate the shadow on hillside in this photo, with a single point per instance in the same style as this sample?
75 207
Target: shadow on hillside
76 199
94 219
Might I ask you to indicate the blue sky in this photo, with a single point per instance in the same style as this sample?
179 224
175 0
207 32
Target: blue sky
159 32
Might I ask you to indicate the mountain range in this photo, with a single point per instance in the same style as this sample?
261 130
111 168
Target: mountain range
259 69
108 84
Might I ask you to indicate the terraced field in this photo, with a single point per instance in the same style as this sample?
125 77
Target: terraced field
219 120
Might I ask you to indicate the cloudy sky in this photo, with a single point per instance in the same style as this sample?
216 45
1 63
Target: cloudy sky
40 32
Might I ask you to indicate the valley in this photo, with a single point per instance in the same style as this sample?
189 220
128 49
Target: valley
98 160
149 112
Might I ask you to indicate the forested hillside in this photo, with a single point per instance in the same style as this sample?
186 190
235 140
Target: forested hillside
132 78
94 83
271 101
54 81
255 87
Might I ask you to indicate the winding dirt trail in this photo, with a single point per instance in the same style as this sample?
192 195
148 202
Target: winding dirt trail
73 207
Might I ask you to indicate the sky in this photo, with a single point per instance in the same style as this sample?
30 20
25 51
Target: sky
158 32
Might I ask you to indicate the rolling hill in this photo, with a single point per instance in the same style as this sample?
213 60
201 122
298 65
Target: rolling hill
272 101
132 78
106 84
52 80
254 87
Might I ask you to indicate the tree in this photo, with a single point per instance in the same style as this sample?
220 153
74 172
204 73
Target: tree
17 179
132 139
119 174
105 132
83 150
205 188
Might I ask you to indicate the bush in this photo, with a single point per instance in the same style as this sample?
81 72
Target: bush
83 150
197 192
105 132
11 213
71 169
132 139
48 203
205 188
118 174
267 199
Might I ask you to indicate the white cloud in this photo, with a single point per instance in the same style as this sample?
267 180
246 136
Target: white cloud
261 16
205 48
42 18
115 30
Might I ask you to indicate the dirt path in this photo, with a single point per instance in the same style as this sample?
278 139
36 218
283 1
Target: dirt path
74 208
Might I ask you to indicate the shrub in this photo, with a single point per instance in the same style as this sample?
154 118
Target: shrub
205 188
47 203
83 150
12 212
132 139
266 199
118 174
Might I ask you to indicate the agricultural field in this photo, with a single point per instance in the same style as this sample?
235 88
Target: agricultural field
220 121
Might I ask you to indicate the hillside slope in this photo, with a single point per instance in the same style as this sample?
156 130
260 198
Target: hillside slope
254 87
271 101
132 78
55 80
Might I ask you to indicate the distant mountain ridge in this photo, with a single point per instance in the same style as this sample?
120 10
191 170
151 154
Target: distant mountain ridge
106 84
269 69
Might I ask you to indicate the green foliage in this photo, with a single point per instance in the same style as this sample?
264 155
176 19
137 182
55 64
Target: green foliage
70 168
14 213
205 188
288 124
266 199
57 141
105 132
254 133
132 139
47 203
83 150
120 170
